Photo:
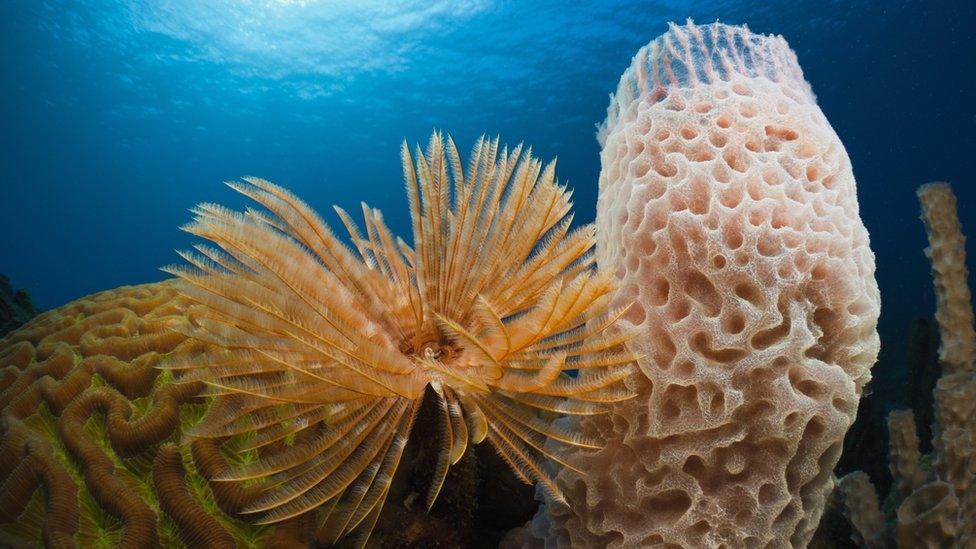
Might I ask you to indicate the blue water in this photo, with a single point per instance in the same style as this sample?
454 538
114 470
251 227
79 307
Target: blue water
118 116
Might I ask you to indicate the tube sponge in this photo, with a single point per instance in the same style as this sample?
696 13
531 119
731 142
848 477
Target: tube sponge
728 210
947 253
863 510
937 509
904 456
955 392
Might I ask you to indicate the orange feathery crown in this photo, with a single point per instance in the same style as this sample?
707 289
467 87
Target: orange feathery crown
498 307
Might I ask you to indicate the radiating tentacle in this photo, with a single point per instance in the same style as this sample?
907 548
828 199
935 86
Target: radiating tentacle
329 350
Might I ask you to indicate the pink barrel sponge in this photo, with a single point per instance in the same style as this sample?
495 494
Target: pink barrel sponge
729 212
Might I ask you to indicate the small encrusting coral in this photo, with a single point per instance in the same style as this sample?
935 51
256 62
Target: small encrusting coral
16 307
933 500
268 395
728 210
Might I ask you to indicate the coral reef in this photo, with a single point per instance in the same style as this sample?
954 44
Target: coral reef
933 501
16 307
268 395
728 210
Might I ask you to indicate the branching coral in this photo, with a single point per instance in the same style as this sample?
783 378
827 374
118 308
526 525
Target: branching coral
728 210
317 358
937 507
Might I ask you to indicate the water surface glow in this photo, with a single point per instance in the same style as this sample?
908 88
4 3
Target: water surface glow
279 38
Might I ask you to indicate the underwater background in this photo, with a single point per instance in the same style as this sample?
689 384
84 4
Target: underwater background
119 116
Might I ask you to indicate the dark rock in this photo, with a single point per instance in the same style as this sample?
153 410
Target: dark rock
481 499
16 307
923 373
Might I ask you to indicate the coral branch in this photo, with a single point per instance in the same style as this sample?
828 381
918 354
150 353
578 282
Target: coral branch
947 252
903 444
861 502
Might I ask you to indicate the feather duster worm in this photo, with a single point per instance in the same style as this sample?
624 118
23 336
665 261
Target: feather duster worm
497 308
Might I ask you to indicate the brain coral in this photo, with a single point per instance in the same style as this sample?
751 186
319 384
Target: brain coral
81 380
728 210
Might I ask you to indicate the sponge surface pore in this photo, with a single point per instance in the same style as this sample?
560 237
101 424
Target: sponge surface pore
728 209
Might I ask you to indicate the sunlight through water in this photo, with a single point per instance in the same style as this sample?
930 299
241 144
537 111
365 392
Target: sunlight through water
280 38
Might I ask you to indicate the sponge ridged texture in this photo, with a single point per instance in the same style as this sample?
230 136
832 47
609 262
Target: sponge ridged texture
728 209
